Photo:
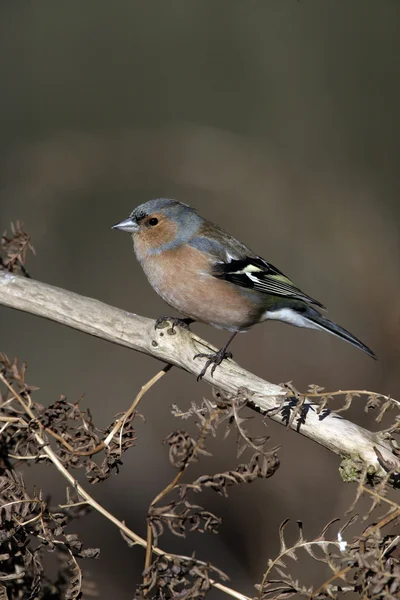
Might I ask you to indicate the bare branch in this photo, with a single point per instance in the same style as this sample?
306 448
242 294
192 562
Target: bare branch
177 347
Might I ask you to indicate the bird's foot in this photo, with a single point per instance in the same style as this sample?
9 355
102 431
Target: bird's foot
214 359
184 323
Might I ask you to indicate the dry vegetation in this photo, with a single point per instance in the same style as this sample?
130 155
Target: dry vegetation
65 437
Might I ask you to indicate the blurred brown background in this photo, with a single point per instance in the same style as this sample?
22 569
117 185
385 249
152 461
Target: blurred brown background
277 120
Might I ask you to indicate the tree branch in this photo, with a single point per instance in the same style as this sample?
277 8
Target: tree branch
177 347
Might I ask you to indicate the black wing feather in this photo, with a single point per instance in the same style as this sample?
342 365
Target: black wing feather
256 273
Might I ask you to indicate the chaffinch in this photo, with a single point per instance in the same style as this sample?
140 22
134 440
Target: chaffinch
209 276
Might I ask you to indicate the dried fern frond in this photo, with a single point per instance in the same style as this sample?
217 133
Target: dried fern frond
14 249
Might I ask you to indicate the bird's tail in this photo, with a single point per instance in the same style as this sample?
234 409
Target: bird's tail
318 321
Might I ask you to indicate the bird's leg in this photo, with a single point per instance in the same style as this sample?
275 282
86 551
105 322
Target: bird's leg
215 358
184 323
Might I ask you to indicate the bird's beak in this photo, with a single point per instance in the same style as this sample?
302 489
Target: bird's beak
128 225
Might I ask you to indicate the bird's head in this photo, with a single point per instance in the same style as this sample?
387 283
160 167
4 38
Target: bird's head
160 225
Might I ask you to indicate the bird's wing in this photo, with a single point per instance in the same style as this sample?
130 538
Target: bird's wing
256 273
234 262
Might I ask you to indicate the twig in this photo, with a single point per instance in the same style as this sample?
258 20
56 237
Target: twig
344 392
383 522
88 499
145 388
372 492
178 347
338 575
118 425
175 482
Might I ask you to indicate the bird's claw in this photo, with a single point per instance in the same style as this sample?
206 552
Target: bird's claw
184 323
214 359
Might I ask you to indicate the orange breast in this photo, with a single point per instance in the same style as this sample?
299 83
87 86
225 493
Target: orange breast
182 278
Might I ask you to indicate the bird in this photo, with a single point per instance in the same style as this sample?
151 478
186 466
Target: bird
209 276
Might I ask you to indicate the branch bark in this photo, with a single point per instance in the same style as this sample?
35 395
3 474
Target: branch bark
177 347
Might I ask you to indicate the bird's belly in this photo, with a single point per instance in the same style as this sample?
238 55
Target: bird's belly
199 295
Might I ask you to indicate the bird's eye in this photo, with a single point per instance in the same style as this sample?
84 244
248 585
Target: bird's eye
153 221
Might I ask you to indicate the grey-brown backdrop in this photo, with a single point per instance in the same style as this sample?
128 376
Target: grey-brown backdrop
279 121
